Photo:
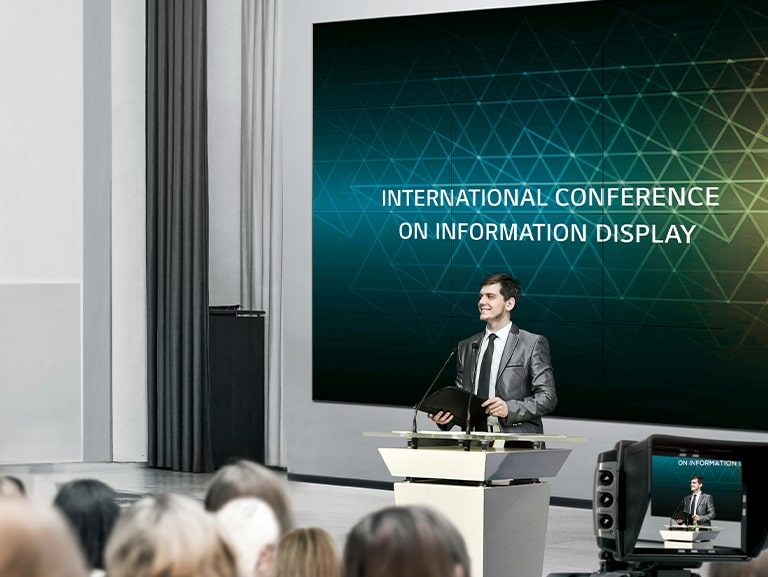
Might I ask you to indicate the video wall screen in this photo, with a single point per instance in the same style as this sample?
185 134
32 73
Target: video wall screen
611 155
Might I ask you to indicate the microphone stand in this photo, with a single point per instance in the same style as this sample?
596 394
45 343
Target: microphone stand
476 353
681 509
417 406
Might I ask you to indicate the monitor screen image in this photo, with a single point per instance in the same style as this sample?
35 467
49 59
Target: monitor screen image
670 490
642 505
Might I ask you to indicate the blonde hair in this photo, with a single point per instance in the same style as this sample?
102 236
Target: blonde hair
307 552
169 535
36 541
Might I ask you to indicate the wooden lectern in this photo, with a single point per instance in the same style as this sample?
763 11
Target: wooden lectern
492 494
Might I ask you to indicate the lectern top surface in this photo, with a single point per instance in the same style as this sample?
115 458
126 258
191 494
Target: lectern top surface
476 436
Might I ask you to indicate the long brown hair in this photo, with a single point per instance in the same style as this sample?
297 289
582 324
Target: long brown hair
412 541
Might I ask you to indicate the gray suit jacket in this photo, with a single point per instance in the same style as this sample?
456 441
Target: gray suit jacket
705 507
525 379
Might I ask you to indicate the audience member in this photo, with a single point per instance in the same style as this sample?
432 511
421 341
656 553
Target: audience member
252 529
168 535
757 567
412 541
91 509
248 479
35 541
12 486
307 552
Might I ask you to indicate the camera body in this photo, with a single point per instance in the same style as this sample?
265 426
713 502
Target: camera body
638 495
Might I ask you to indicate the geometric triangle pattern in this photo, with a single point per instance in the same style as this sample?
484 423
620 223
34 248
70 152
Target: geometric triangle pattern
535 114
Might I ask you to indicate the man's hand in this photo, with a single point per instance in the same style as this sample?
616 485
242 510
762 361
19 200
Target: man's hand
441 418
496 407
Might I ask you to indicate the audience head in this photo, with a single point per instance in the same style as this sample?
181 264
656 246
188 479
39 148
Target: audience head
91 509
757 567
11 486
248 479
252 530
36 541
168 535
307 552
412 541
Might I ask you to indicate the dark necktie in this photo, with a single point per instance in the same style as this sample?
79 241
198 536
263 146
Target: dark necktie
693 504
484 381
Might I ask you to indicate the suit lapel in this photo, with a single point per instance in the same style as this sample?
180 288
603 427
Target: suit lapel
509 348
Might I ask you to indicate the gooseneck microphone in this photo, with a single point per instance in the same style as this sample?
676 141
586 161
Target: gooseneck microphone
417 406
680 509
475 354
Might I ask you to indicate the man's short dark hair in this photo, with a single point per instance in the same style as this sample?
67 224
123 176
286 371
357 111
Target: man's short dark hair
510 286
699 478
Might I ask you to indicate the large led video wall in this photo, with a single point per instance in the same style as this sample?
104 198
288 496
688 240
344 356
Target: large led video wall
611 155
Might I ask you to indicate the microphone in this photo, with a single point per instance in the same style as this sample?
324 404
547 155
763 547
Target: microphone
475 354
417 406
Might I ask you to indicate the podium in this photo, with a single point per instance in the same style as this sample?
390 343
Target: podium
689 536
493 494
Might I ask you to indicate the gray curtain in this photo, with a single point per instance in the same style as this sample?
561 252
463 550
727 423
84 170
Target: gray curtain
177 236
261 198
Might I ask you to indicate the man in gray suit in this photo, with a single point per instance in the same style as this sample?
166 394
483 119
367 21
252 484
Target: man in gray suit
699 505
505 364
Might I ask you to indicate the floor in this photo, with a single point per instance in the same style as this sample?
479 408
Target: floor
570 545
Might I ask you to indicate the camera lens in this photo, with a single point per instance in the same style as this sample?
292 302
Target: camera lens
605 478
605 499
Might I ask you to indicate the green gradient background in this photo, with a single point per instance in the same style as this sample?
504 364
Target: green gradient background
671 93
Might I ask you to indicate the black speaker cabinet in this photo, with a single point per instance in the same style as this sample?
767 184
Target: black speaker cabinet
236 396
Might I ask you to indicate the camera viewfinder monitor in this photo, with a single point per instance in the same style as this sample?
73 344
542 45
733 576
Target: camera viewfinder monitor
643 509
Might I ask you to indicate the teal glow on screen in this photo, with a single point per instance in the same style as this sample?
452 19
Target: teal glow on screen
611 155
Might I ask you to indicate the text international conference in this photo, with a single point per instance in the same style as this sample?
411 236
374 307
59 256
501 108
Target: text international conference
624 197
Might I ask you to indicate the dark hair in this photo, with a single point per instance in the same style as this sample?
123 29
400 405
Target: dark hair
510 286
699 478
245 478
410 541
17 482
91 509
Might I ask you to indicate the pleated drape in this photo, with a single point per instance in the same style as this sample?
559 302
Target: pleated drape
261 198
177 236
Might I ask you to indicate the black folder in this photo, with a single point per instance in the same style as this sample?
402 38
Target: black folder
686 518
455 400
